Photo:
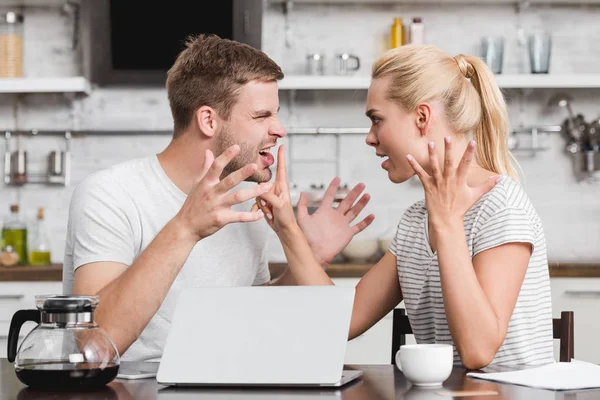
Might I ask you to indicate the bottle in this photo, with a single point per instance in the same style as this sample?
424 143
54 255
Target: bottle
11 45
417 31
397 34
14 233
8 257
40 249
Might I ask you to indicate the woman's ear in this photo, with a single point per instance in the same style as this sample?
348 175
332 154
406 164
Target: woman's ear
423 118
206 118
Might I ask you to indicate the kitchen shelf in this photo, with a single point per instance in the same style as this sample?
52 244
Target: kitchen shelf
474 2
549 81
523 81
76 84
36 3
310 82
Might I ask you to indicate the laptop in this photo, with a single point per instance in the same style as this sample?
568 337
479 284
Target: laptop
259 336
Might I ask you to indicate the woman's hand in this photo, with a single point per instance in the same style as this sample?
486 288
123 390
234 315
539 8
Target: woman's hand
447 195
276 203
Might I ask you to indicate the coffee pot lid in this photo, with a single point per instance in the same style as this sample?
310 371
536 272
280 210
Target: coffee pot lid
66 304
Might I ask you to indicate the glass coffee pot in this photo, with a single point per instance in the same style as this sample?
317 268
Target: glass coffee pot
67 350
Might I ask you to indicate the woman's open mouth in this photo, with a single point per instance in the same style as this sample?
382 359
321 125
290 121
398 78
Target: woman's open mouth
386 160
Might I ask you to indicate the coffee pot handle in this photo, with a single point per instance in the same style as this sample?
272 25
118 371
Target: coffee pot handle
16 323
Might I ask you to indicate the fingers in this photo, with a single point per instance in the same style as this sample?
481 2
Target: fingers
236 177
281 169
243 195
363 224
465 162
433 160
274 200
347 202
243 216
302 207
448 157
264 207
216 169
358 207
418 169
329 195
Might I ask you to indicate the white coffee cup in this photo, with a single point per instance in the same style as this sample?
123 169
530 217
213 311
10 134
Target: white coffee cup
425 364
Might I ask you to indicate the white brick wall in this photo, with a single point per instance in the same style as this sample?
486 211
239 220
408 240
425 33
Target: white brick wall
570 210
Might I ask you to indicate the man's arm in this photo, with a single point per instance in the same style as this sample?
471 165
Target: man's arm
130 296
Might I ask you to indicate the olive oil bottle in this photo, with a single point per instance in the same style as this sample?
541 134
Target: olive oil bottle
14 233
40 245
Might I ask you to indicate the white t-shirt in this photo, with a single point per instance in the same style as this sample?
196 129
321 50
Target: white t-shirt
503 215
115 213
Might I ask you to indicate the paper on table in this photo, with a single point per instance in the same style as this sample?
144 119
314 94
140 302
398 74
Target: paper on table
558 376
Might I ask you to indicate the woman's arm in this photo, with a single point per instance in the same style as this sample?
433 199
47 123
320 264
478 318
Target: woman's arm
479 295
377 293
303 267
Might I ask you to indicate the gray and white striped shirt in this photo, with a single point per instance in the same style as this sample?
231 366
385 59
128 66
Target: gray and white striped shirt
503 215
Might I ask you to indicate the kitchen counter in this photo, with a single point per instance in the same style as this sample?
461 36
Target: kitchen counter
557 270
343 270
30 273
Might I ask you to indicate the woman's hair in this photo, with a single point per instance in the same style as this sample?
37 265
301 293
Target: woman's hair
466 86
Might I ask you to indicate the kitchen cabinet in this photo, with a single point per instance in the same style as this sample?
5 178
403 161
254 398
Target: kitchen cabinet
19 296
582 296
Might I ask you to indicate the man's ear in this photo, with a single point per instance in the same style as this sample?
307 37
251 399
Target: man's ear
207 120
423 117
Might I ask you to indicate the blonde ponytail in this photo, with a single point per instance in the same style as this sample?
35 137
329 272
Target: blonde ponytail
473 102
491 134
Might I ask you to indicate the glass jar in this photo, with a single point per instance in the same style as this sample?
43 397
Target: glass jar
11 45
67 350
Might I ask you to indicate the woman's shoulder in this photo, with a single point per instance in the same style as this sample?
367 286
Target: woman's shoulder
508 193
507 197
412 217
417 211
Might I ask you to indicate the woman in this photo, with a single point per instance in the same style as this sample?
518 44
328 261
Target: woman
469 260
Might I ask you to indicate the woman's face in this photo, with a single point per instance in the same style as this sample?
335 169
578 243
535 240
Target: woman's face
395 133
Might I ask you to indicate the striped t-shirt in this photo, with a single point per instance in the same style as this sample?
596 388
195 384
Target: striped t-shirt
503 215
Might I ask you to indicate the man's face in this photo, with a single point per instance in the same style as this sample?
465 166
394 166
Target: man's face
253 124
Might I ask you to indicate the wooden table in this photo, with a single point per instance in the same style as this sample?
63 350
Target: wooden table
379 382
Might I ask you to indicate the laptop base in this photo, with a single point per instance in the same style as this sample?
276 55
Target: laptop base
347 377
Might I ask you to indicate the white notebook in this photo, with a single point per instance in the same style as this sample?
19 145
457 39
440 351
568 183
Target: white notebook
576 375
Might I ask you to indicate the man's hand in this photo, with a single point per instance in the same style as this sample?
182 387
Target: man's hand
208 206
328 230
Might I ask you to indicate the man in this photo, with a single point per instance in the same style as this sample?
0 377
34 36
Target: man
143 230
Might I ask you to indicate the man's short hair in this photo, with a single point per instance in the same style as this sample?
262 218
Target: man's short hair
209 72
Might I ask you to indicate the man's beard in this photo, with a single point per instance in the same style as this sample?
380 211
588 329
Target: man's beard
247 155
